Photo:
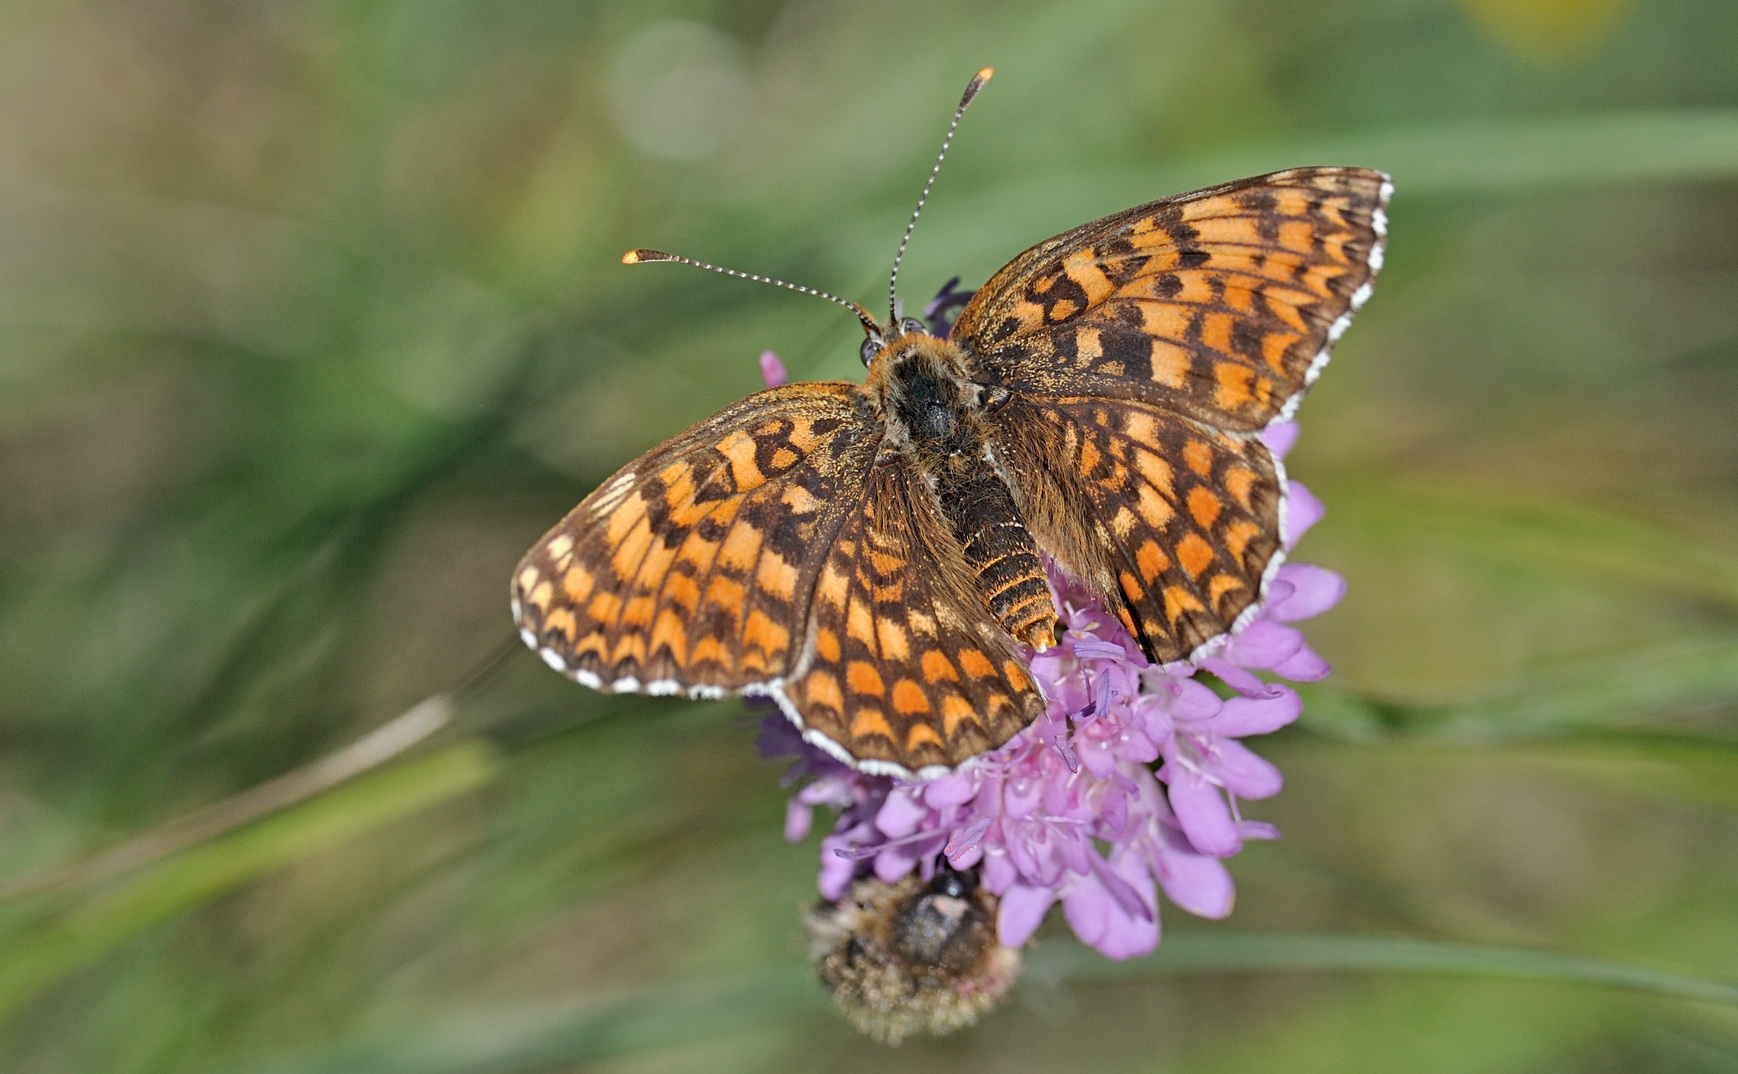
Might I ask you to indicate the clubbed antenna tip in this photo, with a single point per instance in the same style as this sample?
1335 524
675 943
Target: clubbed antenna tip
972 88
635 257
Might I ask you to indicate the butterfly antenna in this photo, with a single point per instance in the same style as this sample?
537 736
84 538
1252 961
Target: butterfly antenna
972 88
635 257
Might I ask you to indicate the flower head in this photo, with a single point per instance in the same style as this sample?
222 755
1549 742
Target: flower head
1128 785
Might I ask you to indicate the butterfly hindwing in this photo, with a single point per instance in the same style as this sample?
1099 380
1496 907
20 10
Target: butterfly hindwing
1221 304
690 570
906 667
1174 524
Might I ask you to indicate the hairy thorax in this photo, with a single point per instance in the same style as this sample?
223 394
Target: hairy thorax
935 416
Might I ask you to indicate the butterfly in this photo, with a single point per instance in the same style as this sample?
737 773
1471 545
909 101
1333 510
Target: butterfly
872 557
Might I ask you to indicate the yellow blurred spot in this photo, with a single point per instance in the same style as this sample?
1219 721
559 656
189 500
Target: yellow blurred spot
1546 29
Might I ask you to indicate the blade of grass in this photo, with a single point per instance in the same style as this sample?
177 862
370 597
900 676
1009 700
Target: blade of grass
1243 952
1631 692
522 1039
1484 157
1506 525
385 742
1461 160
43 954
553 1036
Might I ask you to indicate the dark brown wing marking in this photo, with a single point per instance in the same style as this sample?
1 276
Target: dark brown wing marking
1222 303
907 670
1174 524
691 569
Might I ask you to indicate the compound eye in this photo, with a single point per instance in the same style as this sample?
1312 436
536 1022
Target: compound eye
871 347
911 325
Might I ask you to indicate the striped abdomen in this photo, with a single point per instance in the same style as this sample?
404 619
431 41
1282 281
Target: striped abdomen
1000 552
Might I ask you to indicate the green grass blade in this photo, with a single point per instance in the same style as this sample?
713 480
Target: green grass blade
1310 953
528 1040
39 956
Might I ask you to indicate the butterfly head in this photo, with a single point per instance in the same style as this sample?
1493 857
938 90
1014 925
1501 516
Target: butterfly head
887 339
925 394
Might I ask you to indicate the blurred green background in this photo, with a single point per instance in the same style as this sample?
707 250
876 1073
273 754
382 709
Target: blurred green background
311 321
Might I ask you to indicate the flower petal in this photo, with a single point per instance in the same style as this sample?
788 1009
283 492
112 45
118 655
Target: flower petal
1302 510
1126 895
1133 931
900 815
771 369
892 864
1074 850
1155 718
1134 744
836 872
1201 810
1240 679
1263 644
1255 715
798 818
952 789
1312 591
1257 829
1244 773
1112 813
1304 666
1022 911
1087 906
1094 750
1035 855
1198 883
1193 701
999 873
1280 436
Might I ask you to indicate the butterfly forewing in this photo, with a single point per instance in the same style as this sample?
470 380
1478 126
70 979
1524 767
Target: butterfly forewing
1173 523
907 670
691 569
1221 304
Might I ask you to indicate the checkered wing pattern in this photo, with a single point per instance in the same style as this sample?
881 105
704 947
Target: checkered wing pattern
690 570
1175 524
1220 304
908 671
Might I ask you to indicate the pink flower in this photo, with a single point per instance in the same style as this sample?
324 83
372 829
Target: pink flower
1127 786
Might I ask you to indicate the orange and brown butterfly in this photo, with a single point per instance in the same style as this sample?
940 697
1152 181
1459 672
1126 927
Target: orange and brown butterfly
870 557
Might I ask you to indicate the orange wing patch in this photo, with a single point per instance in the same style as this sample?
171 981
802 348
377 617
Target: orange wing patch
1221 304
692 569
1179 575
905 705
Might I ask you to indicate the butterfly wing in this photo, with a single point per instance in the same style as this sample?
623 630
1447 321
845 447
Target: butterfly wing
1175 524
1141 352
690 571
907 669
1220 304
763 553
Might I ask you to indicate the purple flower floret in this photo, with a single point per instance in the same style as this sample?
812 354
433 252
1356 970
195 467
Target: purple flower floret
1128 784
